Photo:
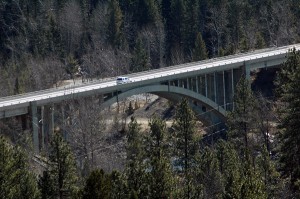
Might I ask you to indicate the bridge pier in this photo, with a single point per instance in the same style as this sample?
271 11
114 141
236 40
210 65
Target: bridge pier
210 87
215 88
51 132
203 85
197 84
43 128
232 89
246 70
46 114
206 89
224 91
63 111
227 90
219 88
41 118
35 127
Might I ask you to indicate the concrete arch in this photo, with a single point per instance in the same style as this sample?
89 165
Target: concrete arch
169 92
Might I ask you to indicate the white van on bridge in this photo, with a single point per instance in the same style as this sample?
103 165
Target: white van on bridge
123 80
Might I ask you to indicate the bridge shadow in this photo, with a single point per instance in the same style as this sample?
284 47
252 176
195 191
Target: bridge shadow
264 81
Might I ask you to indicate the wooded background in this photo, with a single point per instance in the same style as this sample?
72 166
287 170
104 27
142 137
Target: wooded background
45 41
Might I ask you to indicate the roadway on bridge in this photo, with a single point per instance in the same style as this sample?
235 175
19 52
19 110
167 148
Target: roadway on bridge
11 101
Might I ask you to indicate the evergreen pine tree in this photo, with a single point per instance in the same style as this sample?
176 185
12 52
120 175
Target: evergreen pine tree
242 120
252 185
260 42
289 137
176 24
184 130
17 87
54 38
147 12
130 109
61 172
115 25
135 169
199 52
160 177
270 176
209 180
235 21
119 189
133 195
191 25
98 186
15 179
178 11
231 169
27 184
139 61
166 15
242 123
72 67
46 186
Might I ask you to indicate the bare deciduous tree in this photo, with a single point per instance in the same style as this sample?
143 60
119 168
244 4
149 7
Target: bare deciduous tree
47 72
85 127
217 25
278 22
177 55
104 61
71 24
153 38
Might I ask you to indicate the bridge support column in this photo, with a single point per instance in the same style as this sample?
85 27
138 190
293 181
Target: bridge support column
224 91
43 127
219 93
215 87
188 83
35 127
247 70
65 134
232 88
118 104
201 85
51 132
206 85
197 84
232 83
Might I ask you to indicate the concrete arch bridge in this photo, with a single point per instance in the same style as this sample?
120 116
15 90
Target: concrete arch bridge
209 84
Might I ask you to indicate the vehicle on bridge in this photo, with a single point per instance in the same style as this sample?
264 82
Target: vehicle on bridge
123 80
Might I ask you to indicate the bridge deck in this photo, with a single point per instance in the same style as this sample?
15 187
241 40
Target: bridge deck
148 77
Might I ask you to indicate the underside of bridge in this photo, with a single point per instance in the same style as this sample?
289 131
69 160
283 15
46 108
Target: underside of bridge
205 108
